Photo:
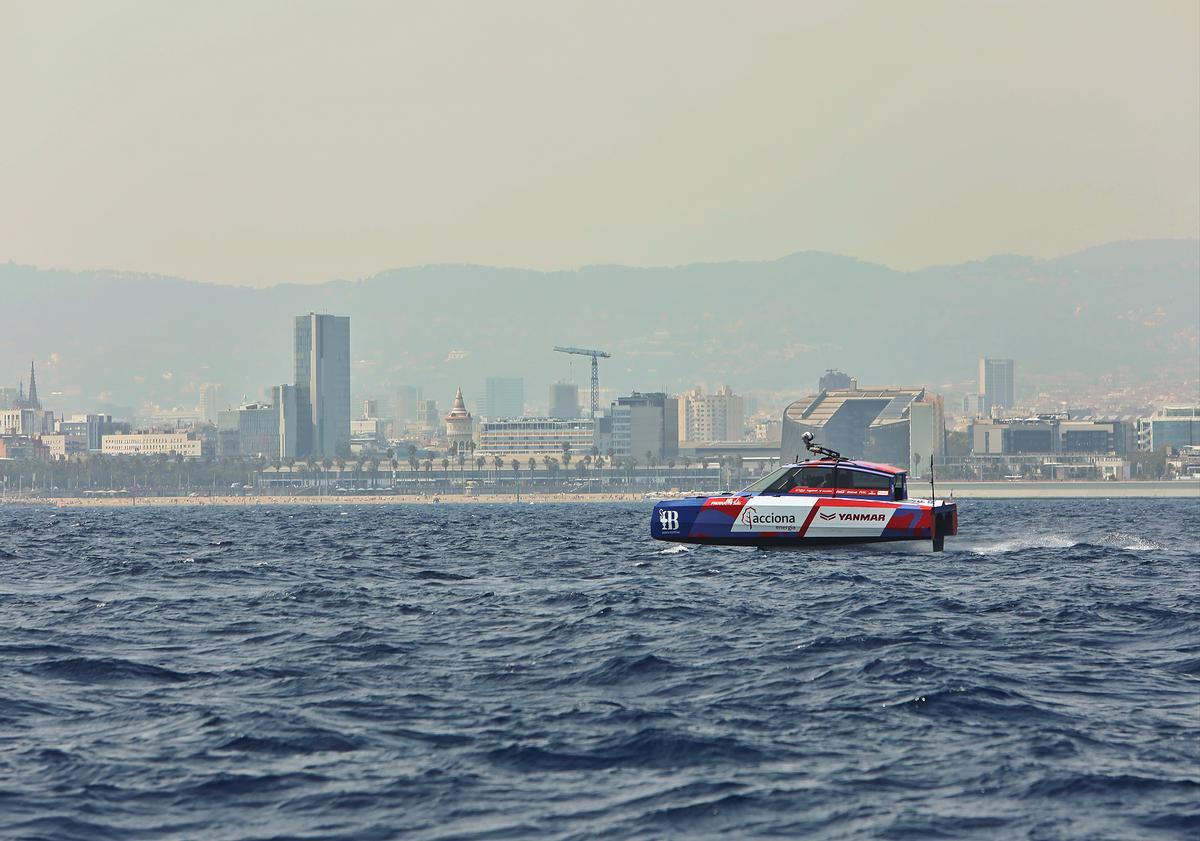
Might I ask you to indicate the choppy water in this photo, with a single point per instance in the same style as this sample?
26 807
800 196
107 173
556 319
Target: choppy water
549 672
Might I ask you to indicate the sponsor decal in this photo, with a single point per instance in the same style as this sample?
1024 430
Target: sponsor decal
779 522
668 520
733 500
855 516
830 492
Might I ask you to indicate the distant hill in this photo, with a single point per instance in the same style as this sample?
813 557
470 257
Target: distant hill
757 325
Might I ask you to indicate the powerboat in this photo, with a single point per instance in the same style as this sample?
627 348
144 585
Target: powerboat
825 501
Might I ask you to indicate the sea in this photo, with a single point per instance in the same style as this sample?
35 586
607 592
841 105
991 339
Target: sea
548 671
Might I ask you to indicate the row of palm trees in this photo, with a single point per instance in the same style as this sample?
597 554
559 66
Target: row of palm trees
173 473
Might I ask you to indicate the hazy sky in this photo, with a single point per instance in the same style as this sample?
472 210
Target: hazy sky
259 142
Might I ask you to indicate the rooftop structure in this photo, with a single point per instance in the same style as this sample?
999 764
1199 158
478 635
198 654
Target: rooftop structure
460 426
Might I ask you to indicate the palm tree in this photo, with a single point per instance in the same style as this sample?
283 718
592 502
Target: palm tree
480 461
516 466
566 453
497 462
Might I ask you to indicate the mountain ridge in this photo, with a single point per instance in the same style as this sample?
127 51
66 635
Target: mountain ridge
126 337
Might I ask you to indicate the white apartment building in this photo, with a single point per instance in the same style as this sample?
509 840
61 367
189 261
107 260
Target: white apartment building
534 436
710 417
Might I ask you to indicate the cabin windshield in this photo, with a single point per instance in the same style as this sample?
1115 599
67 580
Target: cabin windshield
779 477
814 479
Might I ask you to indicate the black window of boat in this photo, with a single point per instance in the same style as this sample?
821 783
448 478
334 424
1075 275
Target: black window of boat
815 477
866 481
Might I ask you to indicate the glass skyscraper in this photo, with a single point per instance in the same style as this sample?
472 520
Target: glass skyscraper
996 383
503 397
322 385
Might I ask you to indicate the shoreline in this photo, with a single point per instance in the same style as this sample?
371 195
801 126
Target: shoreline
945 490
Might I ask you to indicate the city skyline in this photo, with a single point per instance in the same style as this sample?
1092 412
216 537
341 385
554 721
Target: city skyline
1123 313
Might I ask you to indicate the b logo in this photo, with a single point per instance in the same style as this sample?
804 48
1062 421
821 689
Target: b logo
668 520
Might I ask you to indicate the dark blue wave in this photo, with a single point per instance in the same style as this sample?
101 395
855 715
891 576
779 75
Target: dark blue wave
520 672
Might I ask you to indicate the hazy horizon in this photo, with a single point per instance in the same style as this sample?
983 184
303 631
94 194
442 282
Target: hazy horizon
102 270
268 143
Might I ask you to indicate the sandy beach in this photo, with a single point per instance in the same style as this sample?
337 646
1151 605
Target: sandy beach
356 499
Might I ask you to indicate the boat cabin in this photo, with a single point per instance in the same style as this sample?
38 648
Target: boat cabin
827 477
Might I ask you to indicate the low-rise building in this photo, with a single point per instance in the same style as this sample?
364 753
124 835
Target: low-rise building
152 443
367 434
1051 434
1185 461
1170 426
535 436
251 430
23 448
61 447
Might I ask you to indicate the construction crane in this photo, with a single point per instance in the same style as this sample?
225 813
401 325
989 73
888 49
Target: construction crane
595 355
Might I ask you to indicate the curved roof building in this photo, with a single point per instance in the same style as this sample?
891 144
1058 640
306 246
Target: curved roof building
890 424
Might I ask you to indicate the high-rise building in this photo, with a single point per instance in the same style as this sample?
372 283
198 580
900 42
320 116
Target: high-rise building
996 383
429 420
503 397
407 398
645 423
710 417
212 400
287 411
322 384
370 409
974 405
564 400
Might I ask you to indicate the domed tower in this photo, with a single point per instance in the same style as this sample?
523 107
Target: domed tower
460 426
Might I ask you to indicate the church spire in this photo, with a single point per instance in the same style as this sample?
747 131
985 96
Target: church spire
33 398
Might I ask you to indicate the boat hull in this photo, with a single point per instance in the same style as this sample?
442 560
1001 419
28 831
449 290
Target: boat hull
801 521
